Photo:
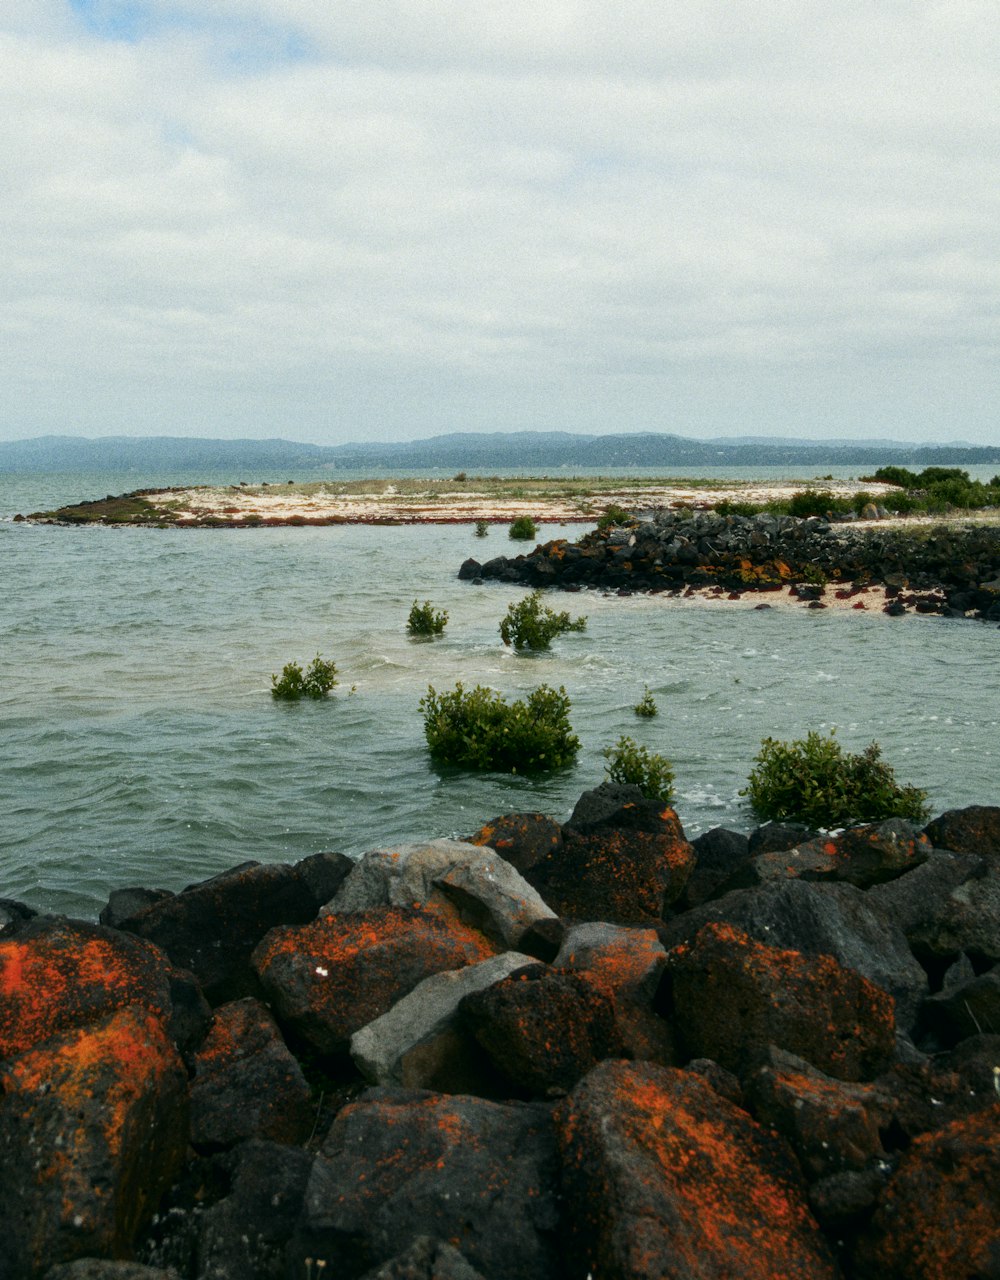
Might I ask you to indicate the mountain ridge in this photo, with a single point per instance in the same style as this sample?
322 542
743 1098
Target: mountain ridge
465 450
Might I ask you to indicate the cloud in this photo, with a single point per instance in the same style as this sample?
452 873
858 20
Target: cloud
393 219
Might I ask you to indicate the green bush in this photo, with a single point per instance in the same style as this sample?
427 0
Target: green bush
614 515
482 528
425 620
315 682
531 625
817 502
478 729
651 773
522 528
813 780
646 706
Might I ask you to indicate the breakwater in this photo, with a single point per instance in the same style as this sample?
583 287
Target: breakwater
946 569
550 1050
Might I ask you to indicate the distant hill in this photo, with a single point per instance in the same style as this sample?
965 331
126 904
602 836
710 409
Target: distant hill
521 450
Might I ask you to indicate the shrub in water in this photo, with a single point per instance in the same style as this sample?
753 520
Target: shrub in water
425 620
814 781
522 528
315 682
530 624
478 729
646 706
482 528
651 773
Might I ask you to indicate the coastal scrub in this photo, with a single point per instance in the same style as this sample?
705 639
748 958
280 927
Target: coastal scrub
814 781
531 625
478 729
315 682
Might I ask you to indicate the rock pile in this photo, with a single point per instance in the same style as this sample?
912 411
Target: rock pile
550 1052
946 570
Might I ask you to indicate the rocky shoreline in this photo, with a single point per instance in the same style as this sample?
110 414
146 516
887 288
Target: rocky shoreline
944 569
553 1051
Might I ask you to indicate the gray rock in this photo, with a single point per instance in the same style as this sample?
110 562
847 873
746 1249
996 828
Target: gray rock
950 904
410 1044
822 919
488 892
399 1164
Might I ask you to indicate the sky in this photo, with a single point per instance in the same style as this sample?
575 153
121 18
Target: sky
392 219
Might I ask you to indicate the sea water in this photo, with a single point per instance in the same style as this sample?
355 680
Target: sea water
141 745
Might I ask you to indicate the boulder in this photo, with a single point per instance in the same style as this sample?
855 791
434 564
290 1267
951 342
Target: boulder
485 890
732 997
949 905
246 1232
863 856
520 838
662 1177
246 1083
212 927
831 1125
623 875
543 1028
773 837
622 806
330 978
93 1128
418 1043
822 919
400 1164
628 966
975 829
58 974
719 854
12 916
966 1009
937 1090
938 1217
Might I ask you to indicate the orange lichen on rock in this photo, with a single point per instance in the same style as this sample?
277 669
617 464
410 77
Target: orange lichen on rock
733 996
57 974
939 1217
333 976
93 1127
622 875
664 1178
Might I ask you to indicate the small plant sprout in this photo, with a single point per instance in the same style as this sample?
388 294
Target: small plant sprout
650 772
529 624
522 529
482 528
425 620
646 706
315 682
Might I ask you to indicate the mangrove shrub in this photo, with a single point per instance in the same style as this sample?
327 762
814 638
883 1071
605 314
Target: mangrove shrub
315 682
529 624
479 729
425 620
814 781
650 772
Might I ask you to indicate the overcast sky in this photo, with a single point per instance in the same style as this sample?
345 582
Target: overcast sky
388 219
